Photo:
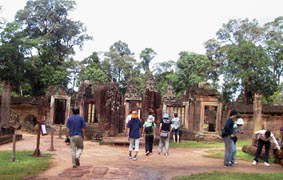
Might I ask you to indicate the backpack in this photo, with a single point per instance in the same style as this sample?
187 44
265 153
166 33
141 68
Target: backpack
223 133
149 129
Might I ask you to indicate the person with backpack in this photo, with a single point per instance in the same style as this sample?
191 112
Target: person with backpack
176 128
164 129
148 131
134 126
227 135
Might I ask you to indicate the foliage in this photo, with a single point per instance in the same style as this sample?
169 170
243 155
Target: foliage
276 98
146 56
94 73
192 69
239 57
25 165
274 47
119 63
164 74
53 36
231 176
13 48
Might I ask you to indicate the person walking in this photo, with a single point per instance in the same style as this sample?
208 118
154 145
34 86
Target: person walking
264 138
227 134
164 129
134 126
149 131
176 128
76 125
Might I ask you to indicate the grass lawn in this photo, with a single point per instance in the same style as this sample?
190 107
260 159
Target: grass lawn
239 156
231 176
25 165
195 144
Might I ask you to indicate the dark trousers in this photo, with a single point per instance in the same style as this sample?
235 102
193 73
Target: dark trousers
148 143
260 145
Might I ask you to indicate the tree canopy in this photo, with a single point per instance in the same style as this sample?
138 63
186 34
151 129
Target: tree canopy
36 52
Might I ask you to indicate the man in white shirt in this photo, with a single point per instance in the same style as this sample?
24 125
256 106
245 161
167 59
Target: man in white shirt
265 138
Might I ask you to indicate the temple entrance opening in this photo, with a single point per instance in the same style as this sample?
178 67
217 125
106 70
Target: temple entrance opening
60 111
209 124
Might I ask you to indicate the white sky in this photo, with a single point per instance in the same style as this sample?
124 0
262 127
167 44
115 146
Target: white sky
167 26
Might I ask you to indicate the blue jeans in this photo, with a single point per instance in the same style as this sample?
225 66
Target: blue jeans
228 150
234 150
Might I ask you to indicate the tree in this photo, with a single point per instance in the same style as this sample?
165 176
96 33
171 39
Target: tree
47 22
146 56
92 70
239 58
164 72
192 69
14 46
274 47
119 63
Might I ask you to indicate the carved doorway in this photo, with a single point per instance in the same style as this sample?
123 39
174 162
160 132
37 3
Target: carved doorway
210 113
60 110
210 116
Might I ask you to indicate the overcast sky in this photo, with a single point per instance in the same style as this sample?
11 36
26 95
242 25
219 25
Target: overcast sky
167 26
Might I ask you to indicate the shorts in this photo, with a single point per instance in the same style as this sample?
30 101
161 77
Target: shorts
176 132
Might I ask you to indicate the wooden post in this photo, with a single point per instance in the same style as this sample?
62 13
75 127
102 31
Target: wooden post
52 144
257 110
14 147
36 152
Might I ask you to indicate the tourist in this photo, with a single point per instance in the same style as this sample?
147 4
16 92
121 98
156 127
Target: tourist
76 125
164 129
264 138
237 130
148 131
134 126
176 128
227 134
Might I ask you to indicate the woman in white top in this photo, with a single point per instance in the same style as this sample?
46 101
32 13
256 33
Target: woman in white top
176 128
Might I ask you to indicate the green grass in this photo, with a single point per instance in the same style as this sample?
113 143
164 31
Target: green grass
231 176
25 165
195 144
239 156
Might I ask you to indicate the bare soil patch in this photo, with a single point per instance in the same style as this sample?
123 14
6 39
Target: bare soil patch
111 162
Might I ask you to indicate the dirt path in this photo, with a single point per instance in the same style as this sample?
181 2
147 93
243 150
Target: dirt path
111 162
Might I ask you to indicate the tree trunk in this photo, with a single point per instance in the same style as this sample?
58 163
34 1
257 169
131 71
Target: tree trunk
257 112
5 104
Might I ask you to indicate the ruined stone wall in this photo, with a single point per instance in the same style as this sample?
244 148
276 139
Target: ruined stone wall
272 122
151 102
109 110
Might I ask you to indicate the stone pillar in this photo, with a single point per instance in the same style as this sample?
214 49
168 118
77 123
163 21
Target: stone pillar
257 112
186 116
5 104
52 106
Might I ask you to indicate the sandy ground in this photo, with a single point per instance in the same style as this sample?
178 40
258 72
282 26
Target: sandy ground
111 162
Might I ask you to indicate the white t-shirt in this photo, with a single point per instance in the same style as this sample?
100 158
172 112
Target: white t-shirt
176 123
261 135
